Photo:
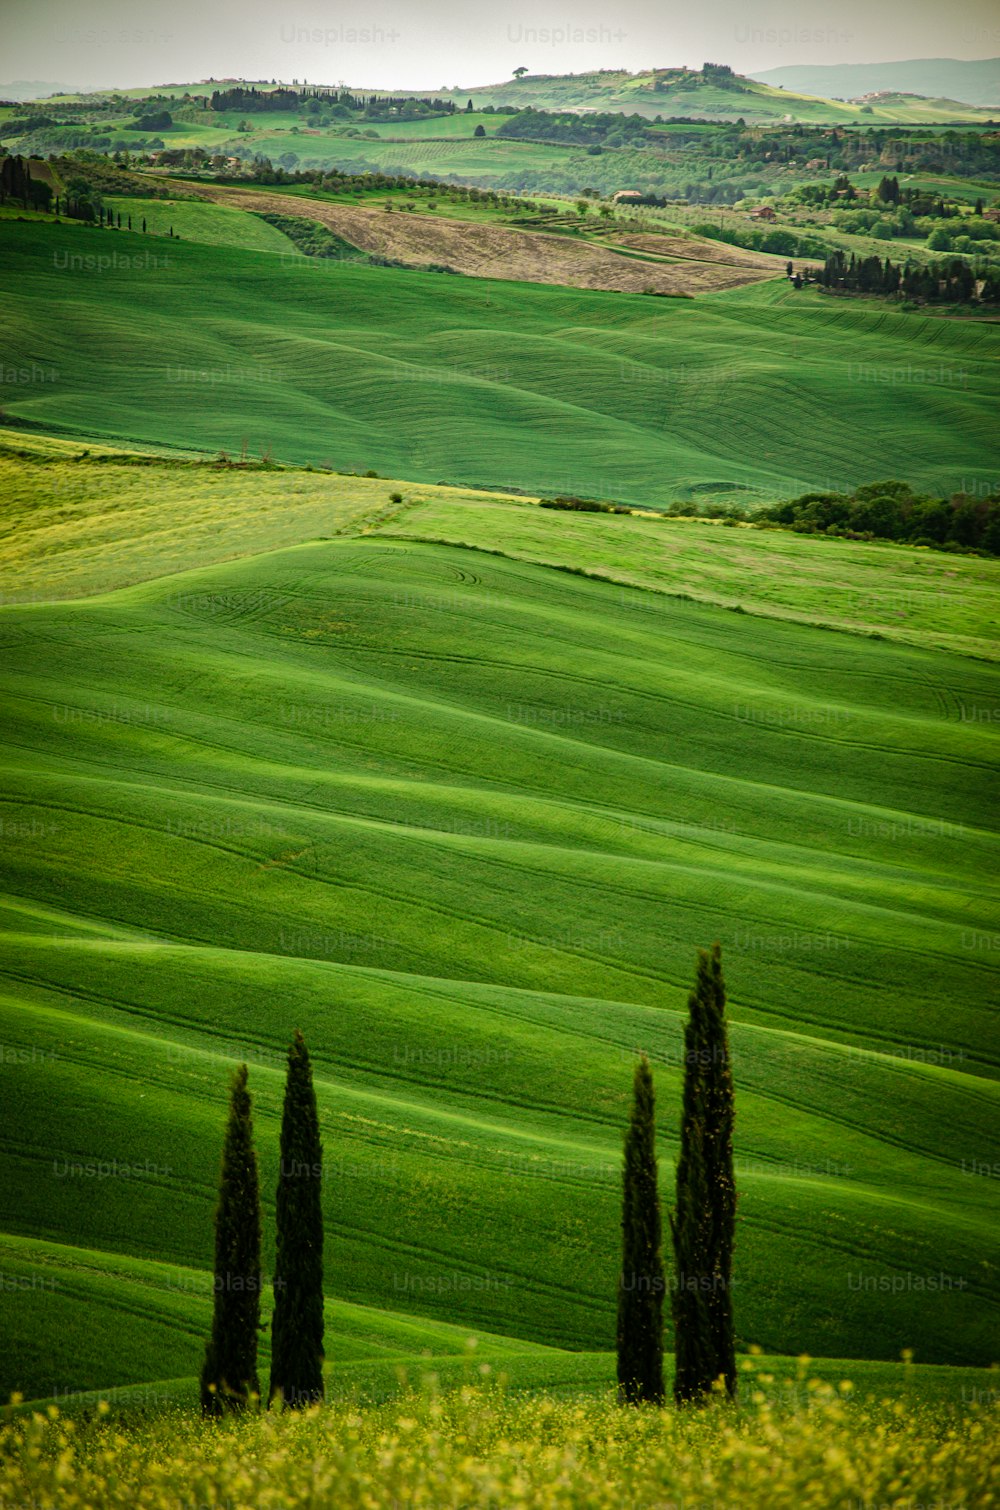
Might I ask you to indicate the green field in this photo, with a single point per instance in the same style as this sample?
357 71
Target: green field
470 381
918 596
458 785
216 224
464 819
484 161
74 526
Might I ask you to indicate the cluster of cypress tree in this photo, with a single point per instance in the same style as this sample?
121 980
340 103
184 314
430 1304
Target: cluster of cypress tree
702 1223
229 1379
702 1227
17 183
948 281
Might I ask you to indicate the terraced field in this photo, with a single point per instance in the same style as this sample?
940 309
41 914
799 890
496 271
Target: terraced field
480 381
464 819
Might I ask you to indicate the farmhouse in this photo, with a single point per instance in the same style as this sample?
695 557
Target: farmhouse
624 195
763 212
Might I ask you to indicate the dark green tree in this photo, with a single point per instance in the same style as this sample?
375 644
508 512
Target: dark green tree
297 1324
703 1222
229 1375
641 1282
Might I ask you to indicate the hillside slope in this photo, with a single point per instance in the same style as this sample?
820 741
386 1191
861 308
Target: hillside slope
464 820
751 394
710 93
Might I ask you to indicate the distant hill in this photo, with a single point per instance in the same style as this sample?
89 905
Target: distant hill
976 81
713 92
36 89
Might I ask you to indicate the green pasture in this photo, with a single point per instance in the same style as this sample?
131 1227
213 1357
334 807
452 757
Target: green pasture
751 394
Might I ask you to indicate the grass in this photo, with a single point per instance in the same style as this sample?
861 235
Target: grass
281 749
477 381
75 524
919 596
193 221
463 819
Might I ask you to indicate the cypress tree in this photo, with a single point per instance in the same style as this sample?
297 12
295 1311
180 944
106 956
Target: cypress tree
297 1324
229 1374
703 1222
641 1282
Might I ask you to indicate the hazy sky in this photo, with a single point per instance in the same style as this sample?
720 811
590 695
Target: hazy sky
401 44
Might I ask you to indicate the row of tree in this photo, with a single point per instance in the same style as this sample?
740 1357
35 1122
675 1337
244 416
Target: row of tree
241 98
951 280
702 1228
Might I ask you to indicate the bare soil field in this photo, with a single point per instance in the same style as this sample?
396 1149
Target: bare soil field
490 251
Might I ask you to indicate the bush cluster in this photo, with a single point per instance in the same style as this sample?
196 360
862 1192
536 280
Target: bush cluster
892 511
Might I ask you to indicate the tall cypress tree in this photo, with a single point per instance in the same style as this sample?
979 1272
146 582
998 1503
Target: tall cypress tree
297 1324
641 1282
229 1375
703 1222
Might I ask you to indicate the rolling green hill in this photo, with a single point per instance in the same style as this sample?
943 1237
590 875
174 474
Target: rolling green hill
671 91
749 394
464 819
689 92
74 525
215 224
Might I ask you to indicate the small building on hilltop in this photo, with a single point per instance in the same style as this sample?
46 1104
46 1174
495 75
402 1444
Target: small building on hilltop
626 196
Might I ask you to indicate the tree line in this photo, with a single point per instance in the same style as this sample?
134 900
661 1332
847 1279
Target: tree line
241 98
702 1227
17 183
892 511
950 280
